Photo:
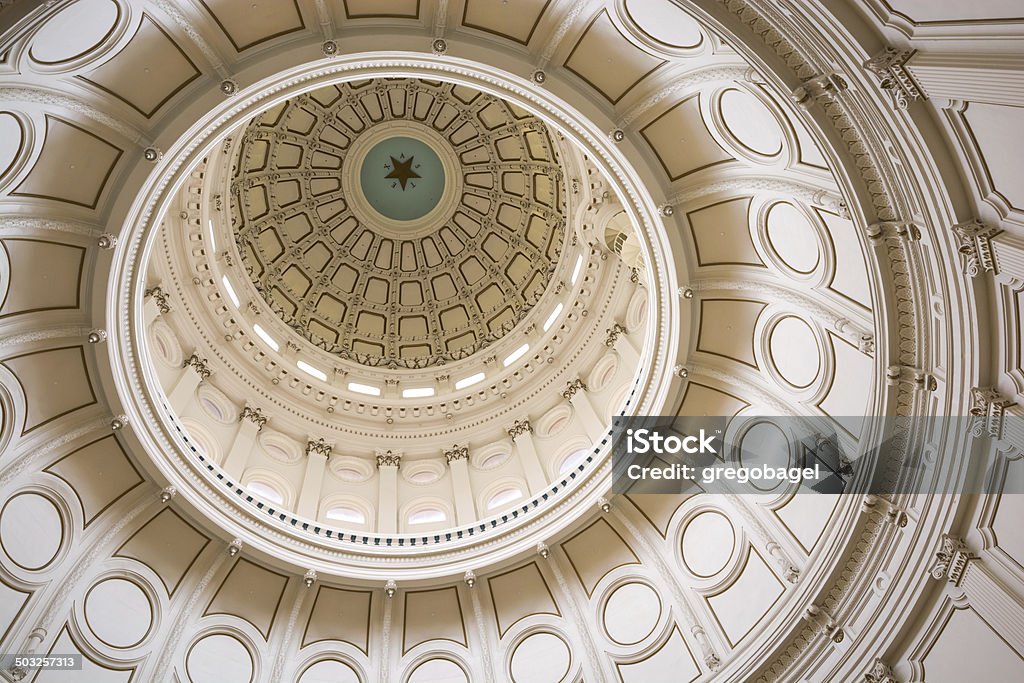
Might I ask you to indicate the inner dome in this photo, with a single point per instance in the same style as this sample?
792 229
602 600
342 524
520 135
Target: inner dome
400 223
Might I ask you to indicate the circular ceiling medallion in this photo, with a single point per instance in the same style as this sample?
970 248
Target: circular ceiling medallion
402 178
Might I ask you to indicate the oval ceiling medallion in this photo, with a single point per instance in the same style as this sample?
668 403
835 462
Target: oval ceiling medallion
707 544
118 613
792 237
31 530
12 141
764 444
541 658
219 658
795 352
631 613
75 31
329 671
748 120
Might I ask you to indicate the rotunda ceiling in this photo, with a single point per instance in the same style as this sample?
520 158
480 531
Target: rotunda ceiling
397 222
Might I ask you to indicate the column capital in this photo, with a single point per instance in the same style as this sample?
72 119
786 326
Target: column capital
889 66
988 407
974 242
200 365
572 387
519 427
613 334
254 415
951 559
318 447
388 458
456 452
880 672
161 298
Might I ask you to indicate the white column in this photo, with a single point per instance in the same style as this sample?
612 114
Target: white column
465 506
618 339
387 491
317 453
195 371
974 77
576 394
521 433
252 422
995 602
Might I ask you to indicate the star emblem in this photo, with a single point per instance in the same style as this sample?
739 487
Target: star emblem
401 170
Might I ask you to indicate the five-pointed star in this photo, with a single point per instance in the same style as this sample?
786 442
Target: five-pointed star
402 171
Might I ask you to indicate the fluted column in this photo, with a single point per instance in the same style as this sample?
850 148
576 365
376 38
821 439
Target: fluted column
521 433
994 602
576 393
976 77
195 371
618 339
457 458
317 453
252 421
388 463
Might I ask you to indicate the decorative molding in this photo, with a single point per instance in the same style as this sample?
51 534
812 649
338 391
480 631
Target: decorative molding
889 66
818 87
823 622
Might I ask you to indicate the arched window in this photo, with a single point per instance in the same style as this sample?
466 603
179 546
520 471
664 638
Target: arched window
572 461
428 516
346 514
504 497
266 492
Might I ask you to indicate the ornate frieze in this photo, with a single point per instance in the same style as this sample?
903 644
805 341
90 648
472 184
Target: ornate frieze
456 453
974 242
200 365
254 415
388 458
889 66
518 428
572 387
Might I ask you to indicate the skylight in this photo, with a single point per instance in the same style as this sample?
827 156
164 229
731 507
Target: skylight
516 355
310 370
363 389
469 381
262 334
577 268
230 290
553 317
418 392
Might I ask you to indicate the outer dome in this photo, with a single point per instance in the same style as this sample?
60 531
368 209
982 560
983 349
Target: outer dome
350 236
